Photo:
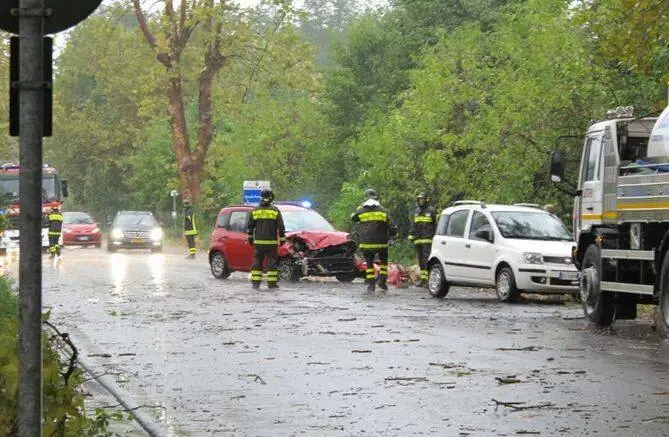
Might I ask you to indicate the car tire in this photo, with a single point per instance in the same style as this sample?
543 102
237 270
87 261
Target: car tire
219 266
111 249
346 278
662 311
156 250
436 282
505 285
599 306
288 270
98 245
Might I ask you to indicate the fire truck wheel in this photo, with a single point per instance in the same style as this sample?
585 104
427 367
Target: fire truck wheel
662 314
598 305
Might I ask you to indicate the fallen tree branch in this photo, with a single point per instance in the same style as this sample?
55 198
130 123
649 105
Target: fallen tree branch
526 348
406 378
507 380
518 406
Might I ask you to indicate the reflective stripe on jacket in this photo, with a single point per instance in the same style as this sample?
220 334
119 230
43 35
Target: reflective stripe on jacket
374 226
423 225
189 222
55 223
265 223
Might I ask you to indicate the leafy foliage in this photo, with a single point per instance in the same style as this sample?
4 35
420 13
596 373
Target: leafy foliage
460 99
634 32
63 403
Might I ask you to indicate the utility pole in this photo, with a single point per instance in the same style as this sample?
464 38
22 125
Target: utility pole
31 114
31 20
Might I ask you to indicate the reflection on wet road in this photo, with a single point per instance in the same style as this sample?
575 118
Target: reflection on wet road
322 359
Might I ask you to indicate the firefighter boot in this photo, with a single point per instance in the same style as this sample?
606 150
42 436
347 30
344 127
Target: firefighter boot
273 286
255 285
190 256
383 285
370 286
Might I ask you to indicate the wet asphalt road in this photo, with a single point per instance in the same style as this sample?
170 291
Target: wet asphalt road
322 359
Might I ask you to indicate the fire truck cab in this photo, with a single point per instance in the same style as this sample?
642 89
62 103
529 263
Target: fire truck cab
54 191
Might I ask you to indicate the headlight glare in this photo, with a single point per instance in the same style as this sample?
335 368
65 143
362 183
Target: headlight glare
156 234
533 258
117 234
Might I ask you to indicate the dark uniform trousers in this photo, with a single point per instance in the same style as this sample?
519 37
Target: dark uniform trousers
423 253
369 255
191 244
260 253
54 247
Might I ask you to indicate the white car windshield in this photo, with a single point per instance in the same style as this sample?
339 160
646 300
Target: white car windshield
530 226
306 220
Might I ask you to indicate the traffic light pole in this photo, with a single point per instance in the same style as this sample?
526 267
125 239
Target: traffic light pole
31 113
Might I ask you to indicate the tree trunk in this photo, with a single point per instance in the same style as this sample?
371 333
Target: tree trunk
188 164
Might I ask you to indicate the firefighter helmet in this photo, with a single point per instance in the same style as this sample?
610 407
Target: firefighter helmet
421 195
370 193
267 194
187 202
55 208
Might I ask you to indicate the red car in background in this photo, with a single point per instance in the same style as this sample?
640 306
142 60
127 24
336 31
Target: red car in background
80 229
313 246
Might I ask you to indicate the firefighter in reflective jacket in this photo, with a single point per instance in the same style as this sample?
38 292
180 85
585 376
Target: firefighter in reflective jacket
190 230
375 228
265 232
423 226
55 219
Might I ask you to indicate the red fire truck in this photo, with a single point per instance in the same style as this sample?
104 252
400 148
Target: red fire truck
54 191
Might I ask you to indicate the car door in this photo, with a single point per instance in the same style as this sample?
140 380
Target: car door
480 251
452 246
238 252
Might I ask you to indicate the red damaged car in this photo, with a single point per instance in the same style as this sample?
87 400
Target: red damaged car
313 247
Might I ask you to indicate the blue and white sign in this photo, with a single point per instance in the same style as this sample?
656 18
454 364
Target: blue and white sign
252 191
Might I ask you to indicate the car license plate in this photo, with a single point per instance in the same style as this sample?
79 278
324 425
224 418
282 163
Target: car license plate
84 238
568 276
136 240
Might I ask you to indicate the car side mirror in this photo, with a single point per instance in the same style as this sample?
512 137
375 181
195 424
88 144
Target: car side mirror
110 224
557 166
63 186
484 234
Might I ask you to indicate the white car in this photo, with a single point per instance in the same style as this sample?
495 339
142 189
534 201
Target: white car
12 238
511 248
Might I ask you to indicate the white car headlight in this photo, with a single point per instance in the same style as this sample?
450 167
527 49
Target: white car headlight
96 230
533 258
156 234
117 234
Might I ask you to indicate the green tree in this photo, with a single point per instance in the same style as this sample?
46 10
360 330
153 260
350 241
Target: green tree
634 32
484 110
102 103
194 42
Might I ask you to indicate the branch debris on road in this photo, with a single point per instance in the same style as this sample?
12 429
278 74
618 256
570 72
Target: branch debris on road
518 406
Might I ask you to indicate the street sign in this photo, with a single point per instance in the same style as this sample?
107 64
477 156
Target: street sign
61 14
14 73
252 191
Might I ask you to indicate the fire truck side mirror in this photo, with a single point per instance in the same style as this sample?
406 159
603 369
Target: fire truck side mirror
63 186
557 166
